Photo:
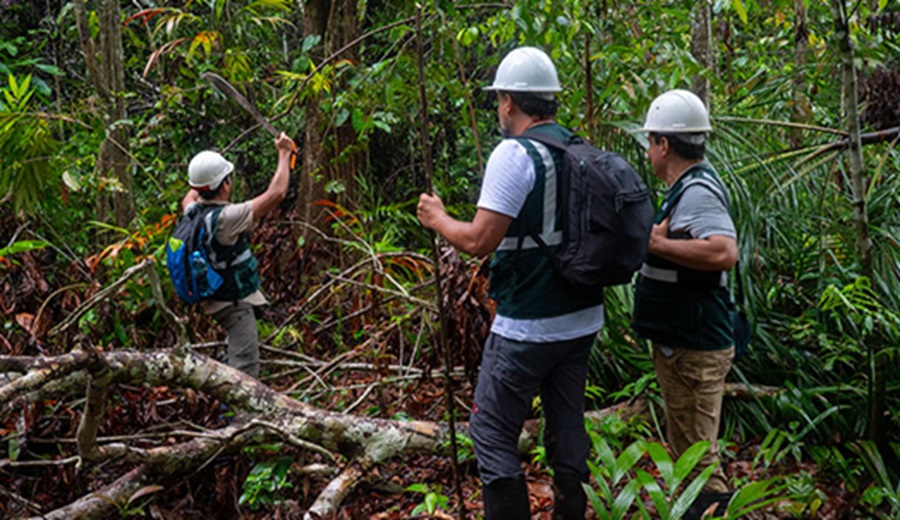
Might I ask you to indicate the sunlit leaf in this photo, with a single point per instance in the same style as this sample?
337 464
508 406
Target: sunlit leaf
740 9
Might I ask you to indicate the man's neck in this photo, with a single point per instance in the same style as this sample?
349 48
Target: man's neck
678 167
524 124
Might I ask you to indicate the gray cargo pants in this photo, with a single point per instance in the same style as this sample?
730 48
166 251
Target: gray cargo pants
512 373
243 337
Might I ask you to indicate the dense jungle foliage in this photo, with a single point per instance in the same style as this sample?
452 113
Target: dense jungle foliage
103 106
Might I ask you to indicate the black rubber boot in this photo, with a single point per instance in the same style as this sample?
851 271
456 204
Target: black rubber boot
506 499
705 501
570 500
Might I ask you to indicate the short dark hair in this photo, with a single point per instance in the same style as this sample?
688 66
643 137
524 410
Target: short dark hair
534 105
686 150
213 193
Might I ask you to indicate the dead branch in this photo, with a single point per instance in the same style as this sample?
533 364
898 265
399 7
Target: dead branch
39 372
330 498
176 322
97 298
32 506
94 407
99 504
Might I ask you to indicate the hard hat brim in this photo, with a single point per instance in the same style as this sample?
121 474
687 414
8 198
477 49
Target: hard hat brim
508 88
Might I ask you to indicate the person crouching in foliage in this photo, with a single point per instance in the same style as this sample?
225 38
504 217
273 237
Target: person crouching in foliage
682 302
233 304
545 327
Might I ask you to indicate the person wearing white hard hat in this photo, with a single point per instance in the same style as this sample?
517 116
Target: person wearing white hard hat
234 305
544 327
682 303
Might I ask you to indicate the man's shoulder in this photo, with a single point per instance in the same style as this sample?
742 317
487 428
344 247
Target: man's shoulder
236 217
508 151
233 207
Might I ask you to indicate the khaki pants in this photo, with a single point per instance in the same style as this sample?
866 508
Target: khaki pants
243 337
692 383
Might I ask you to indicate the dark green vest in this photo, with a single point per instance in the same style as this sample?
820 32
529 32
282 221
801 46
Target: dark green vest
523 281
236 263
692 312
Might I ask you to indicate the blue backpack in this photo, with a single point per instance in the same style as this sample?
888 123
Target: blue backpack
186 254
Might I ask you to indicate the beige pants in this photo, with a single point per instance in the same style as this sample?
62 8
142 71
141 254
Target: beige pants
692 383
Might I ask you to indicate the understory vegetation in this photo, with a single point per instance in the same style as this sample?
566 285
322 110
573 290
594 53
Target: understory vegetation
102 106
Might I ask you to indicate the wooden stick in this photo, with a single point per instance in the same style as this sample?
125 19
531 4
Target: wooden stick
435 251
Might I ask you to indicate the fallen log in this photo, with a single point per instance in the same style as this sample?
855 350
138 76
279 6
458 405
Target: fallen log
262 415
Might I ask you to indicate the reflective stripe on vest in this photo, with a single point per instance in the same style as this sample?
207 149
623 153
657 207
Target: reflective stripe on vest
671 275
549 234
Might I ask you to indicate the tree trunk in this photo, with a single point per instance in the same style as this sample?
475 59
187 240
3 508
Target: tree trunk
858 183
802 111
702 48
104 59
323 144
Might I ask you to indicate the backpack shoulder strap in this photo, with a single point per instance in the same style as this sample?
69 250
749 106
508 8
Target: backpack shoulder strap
698 176
211 221
546 140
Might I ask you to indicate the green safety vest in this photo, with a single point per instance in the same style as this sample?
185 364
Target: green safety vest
235 263
679 306
523 281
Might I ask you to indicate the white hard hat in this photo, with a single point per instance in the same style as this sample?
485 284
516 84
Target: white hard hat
527 69
679 112
207 169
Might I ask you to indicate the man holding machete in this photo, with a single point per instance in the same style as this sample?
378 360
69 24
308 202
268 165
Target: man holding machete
233 305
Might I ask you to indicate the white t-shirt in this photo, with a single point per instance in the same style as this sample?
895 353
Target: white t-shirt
508 179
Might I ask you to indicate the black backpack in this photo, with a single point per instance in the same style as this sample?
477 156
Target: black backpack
607 215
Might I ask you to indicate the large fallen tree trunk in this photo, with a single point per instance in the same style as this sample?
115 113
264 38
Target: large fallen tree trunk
262 415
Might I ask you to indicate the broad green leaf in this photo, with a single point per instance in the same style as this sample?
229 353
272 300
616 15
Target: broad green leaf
595 501
740 9
418 488
627 459
655 491
690 494
750 493
663 463
357 120
23 246
309 42
690 458
624 499
50 69
109 227
605 455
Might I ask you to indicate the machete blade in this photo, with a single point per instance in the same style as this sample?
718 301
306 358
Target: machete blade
223 86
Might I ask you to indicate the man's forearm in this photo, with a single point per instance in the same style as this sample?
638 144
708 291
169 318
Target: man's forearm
282 177
700 254
460 235
277 189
